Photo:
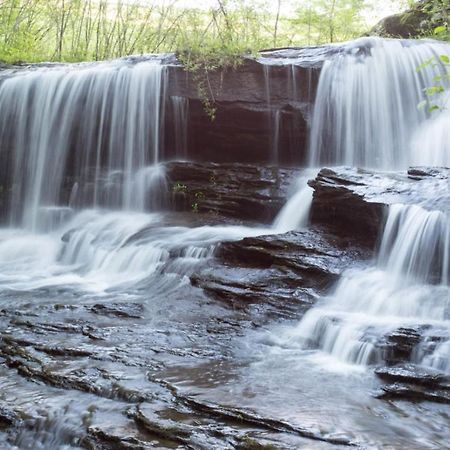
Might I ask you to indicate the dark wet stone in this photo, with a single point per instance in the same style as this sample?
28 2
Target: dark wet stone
8 417
411 382
286 271
242 130
126 310
99 438
413 392
419 173
399 345
410 373
338 206
246 192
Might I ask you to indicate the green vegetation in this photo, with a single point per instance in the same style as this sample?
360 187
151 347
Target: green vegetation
441 83
85 30
424 18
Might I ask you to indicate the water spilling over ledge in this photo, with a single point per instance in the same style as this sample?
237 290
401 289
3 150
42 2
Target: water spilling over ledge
163 277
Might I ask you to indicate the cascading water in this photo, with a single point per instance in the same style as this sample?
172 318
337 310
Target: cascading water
87 144
367 101
99 123
369 303
367 113
180 106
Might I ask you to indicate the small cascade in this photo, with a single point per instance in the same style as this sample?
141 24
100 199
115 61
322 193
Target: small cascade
434 353
275 133
295 213
95 123
97 251
367 101
180 108
416 245
409 286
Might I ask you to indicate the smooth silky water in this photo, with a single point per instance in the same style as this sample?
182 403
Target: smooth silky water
106 239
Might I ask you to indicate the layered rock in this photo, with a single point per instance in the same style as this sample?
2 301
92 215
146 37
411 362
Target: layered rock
262 107
239 191
353 202
284 271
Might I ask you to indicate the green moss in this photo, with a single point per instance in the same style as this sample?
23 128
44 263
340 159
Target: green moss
248 443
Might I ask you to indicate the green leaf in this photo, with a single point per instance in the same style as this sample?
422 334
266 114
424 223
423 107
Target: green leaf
433 108
445 59
440 30
433 90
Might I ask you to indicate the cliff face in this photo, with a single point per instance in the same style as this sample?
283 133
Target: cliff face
262 108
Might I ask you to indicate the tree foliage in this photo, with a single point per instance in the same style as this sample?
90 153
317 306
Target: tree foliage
83 30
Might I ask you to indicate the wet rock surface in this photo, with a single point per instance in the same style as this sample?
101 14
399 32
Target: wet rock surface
107 358
399 345
239 191
290 269
261 97
135 368
414 383
353 202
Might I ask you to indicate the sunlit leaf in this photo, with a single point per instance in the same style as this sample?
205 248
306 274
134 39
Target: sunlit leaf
441 29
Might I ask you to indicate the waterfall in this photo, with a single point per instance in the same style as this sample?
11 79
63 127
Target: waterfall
295 213
367 111
366 114
100 123
367 101
369 303
180 107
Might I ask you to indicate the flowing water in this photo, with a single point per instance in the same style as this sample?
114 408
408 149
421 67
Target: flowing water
367 105
86 229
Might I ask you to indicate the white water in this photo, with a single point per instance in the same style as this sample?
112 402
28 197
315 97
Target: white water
295 213
431 143
367 105
367 114
369 303
98 251
67 121
180 106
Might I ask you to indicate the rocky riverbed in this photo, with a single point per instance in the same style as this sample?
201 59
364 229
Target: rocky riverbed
194 353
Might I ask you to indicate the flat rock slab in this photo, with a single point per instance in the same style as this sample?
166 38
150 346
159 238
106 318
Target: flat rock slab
286 270
415 383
